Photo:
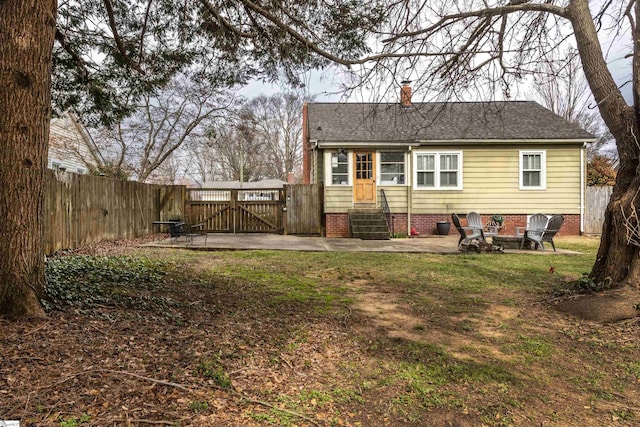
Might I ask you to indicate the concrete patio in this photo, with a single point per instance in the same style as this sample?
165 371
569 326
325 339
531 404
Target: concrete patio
253 241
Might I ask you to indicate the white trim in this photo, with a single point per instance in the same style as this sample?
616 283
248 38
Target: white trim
379 169
543 170
582 184
409 188
328 170
54 161
436 178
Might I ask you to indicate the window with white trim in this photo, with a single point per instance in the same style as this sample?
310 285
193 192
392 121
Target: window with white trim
532 170
438 171
392 170
339 168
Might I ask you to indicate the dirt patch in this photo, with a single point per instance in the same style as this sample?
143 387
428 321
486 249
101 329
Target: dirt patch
383 311
387 312
603 307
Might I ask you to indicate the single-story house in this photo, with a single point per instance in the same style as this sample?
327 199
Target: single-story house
429 160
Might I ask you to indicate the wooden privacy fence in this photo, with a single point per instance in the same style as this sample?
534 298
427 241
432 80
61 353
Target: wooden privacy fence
236 211
304 208
257 210
84 209
597 199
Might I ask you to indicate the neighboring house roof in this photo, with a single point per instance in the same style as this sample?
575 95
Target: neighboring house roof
255 185
454 121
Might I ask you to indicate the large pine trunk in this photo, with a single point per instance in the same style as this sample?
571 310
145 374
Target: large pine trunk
27 30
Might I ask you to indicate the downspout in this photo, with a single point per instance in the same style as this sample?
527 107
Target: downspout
409 189
582 184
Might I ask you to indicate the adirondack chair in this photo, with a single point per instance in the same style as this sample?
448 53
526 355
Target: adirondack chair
467 234
475 221
542 230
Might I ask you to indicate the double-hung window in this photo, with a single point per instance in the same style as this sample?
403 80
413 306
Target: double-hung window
339 168
438 170
532 170
392 168
449 169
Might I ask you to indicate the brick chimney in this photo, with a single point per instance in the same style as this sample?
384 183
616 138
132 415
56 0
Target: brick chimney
405 94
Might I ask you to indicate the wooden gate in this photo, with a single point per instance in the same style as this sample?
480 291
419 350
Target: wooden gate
597 201
236 211
304 209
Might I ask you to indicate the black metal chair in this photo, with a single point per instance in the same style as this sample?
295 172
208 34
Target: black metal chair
194 230
175 230
189 231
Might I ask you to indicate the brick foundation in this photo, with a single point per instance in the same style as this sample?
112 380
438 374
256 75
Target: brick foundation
337 224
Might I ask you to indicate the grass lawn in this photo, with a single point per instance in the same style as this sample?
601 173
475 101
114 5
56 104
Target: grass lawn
275 338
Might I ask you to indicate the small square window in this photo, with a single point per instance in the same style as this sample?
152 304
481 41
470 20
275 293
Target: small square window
392 168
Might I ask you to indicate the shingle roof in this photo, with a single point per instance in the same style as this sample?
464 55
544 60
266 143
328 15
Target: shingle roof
507 120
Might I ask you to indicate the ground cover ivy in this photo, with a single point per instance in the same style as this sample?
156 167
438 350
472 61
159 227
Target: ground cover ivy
84 281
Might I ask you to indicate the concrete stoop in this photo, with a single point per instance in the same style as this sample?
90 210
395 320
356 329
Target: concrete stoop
368 224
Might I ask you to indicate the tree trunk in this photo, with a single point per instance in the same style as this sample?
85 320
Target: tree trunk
617 261
27 31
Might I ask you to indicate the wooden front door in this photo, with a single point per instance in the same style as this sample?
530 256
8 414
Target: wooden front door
364 177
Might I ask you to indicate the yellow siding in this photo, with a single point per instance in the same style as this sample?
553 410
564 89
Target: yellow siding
491 184
338 198
396 196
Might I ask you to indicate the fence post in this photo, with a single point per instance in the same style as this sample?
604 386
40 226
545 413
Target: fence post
234 209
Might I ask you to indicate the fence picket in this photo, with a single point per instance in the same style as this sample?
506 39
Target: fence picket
596 203
86 209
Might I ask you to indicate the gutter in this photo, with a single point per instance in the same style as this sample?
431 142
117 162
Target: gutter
503 141
457 142
366 144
